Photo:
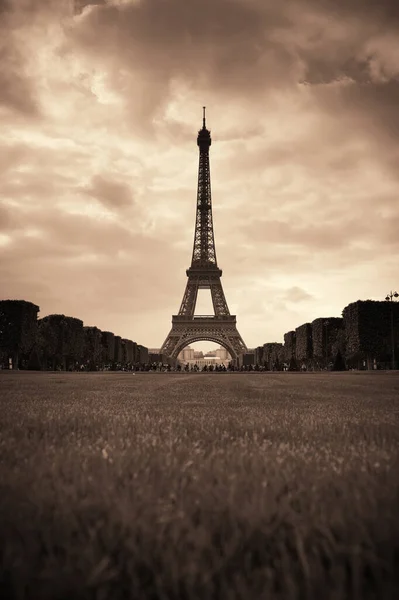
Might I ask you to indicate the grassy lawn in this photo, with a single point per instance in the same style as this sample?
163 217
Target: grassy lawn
199 486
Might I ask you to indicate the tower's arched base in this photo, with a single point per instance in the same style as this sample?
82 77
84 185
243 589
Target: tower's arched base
187 330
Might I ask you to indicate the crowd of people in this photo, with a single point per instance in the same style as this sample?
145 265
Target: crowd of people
159 367
194 368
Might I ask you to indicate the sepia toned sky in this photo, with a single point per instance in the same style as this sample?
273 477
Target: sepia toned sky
100 105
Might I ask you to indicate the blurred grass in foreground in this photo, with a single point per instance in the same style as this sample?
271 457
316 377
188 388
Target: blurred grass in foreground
172 486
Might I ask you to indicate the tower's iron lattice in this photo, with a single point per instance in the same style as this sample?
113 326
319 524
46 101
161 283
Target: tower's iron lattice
204 273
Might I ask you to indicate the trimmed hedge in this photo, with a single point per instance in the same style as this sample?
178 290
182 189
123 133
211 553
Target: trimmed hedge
61 341
304 348
368 329
48 341
142 354
118 350
324 336
289 345
339 344
18 330
339 362
108 344
273 355
136 355
259 352
363 334
58 342
129 352
123 351
93 349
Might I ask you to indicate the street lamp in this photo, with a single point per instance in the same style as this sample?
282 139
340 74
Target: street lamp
390 298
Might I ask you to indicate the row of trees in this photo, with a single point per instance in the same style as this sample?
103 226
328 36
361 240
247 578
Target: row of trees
362 338
60 342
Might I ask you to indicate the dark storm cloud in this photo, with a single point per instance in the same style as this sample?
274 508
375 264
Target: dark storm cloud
112 194
320 70
230 41
238 50
224 44
240 47
344 39
385 11
379 102
17 91
5 6
80 5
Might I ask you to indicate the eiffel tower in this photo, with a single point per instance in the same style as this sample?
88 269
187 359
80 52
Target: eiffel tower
204 273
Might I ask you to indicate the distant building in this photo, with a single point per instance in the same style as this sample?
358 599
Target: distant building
218 353
222 354
207 360
187 354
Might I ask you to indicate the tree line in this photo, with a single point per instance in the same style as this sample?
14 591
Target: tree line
363 338
60 342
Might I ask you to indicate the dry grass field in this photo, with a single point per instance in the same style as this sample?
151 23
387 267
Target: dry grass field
203 486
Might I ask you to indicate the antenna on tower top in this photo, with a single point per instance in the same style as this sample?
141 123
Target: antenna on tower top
203 117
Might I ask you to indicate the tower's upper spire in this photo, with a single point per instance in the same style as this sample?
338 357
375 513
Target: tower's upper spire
204 255
204 135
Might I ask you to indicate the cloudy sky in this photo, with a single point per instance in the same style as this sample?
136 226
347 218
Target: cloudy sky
100 104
